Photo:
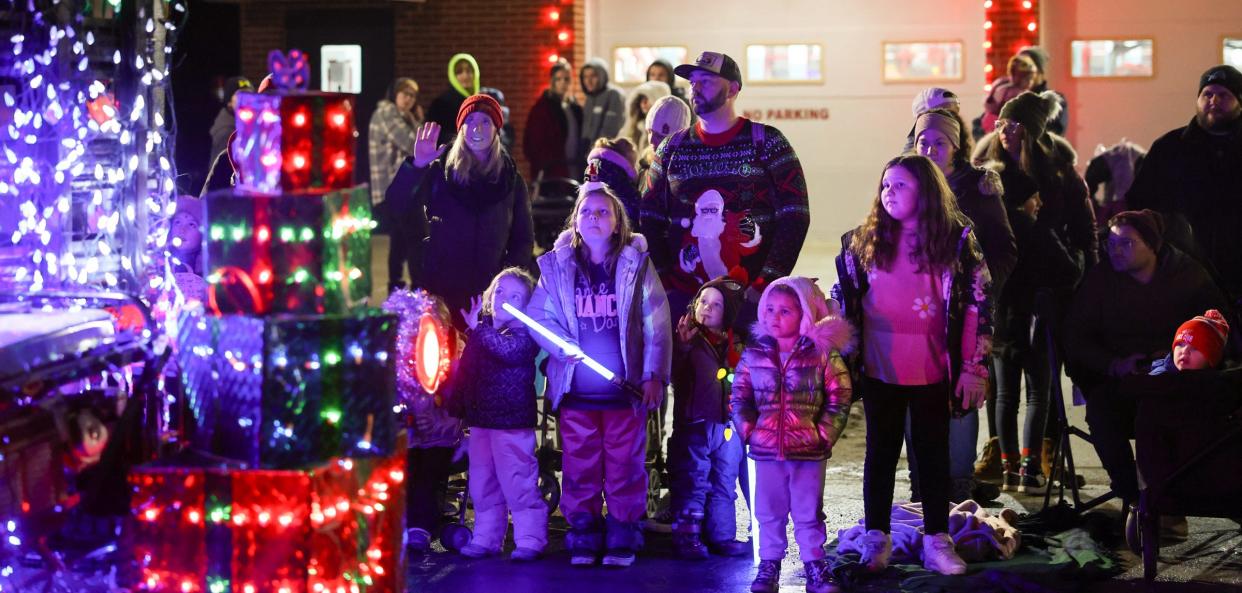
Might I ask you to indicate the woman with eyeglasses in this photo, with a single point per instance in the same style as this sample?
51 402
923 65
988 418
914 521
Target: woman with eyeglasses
1052 220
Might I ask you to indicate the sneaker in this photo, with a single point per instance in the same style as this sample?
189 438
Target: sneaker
819 577
877 548
733 549
939 555
767 578
417 541
988 466
619 558
525 555
1009 477
582 559
477 551
689 546
1030 481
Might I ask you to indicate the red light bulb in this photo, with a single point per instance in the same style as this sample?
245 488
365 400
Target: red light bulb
299 161
299 119
338 120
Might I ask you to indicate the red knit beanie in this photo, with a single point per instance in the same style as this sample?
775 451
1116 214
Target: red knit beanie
482 103
1207 333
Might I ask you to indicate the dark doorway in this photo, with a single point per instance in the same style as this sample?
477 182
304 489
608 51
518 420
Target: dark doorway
207 52
309 30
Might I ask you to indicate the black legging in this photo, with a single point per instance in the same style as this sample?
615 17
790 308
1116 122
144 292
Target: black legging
885 406
404 251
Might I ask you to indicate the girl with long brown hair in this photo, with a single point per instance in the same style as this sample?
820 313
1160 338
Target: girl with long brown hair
913 282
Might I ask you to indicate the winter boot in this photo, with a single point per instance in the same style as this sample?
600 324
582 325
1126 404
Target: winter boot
585 539
687 538
729 548
623 540
767 578
877 548
988 466
1009 477
819 577
1045 457
939 555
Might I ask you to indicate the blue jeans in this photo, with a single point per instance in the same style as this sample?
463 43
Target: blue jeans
1029 362
963 441
704 467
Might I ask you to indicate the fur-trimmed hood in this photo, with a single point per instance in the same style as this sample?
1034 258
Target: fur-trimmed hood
826 330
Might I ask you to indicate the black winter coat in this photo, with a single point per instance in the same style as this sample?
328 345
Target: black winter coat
469 232
700 391
1197 178
978 193
494 384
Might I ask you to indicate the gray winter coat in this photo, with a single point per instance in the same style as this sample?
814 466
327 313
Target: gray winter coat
603 114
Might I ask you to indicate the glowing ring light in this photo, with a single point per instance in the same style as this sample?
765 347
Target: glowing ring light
433 353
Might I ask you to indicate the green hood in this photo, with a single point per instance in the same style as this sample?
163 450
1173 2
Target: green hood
452 64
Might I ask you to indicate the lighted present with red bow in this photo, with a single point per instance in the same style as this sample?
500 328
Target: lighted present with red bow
292 141
288 254
337 527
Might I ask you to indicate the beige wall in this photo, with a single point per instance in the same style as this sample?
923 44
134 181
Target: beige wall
868 119
1187 37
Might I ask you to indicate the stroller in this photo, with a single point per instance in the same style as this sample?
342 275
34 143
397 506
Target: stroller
1188 435
552 200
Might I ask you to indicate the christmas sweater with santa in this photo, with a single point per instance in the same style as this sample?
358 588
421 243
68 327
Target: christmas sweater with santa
733 203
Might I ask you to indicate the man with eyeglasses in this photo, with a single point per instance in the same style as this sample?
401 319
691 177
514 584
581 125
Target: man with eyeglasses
1121 320
1194 175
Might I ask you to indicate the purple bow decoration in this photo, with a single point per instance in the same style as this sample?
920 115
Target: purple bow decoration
291 72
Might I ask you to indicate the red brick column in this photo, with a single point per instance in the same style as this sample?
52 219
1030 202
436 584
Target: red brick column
1009 25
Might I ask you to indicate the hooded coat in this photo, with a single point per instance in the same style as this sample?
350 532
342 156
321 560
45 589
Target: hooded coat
470 232
796 410
646 330
444 108
603 113
635 129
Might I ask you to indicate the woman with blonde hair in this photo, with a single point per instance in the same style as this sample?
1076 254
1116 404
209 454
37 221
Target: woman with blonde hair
468 206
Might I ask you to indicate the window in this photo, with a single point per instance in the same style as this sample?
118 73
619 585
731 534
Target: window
629 63
340 68
922 61
1111 58
1232 51
791 63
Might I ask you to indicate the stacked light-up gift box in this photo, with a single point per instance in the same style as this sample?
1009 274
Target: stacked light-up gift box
289 375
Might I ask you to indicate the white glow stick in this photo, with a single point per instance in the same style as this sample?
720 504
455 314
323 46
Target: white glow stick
754 524
565 346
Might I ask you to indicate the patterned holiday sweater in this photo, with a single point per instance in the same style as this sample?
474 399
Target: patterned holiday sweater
732 203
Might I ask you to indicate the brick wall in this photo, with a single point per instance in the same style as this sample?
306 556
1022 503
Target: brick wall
511 40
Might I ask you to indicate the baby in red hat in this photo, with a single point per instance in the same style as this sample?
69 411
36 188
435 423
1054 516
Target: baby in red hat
1200 342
